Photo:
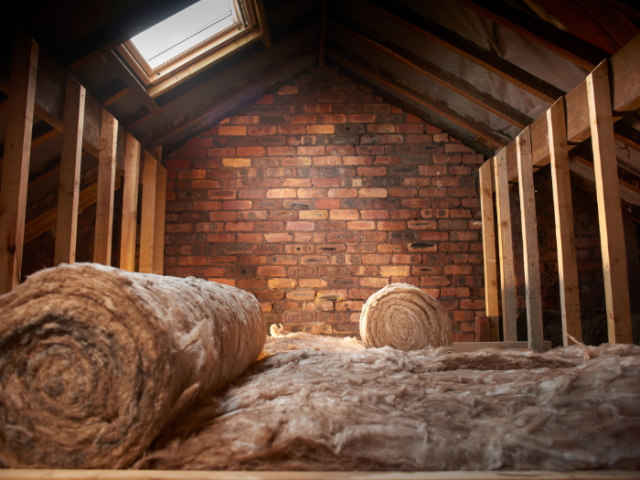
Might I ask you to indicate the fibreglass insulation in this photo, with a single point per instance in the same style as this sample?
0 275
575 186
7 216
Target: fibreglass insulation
404 317
343 407
95 361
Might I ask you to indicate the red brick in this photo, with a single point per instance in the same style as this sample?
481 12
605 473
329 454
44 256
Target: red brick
413 119
280 151
252 193
456 148
250 151
434 281
232 131
304 119
327 203
281 193
362 225
321 129
291 129
205 184
296 182
375 214
342 192
418 139
313 150
245 120
387 160
239 226
360 160
300 226
376 259
237 205
371 171
333 118
373 192
271 271
295 161
327 161
326 182
340 150
262 130
221 194
278 237
390 226
403 192
404 128
344 215
221 237
388 139
381 128
361 118
432 170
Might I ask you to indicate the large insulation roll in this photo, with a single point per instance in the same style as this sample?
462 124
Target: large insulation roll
95 361
404 317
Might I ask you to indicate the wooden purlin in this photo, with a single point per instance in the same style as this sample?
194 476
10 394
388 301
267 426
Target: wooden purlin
489 250
565 235
530 250
612 239
15 169
70 164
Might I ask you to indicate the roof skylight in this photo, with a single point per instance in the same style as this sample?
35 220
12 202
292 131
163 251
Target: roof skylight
185 30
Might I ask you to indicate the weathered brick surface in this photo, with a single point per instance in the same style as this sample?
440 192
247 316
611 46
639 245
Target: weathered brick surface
320 194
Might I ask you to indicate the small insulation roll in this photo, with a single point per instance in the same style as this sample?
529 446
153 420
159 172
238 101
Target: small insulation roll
404 317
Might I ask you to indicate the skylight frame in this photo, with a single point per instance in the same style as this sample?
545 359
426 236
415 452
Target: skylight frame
246 30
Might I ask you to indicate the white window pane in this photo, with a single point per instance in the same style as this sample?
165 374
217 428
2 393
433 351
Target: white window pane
184 30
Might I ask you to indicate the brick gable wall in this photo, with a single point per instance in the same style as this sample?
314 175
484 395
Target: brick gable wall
318 195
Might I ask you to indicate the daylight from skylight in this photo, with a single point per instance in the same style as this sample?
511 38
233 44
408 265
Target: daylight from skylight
184 30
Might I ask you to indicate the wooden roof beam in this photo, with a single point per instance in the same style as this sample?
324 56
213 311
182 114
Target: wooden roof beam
556 41
490 137
466 49
435 73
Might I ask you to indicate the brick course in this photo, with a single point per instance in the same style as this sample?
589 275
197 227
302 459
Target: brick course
320 194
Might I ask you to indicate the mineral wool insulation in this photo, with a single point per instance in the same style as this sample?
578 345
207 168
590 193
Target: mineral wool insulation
316 403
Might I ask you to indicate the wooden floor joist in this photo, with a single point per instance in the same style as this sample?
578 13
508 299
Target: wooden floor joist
612 240
70 163
565 234
530 250
15 169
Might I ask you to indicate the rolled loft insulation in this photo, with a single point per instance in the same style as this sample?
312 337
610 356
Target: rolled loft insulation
404 317
95 361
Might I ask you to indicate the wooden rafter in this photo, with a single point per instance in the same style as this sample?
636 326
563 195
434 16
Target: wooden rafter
130 79
490 137
556 41
615 23
466 49
435 73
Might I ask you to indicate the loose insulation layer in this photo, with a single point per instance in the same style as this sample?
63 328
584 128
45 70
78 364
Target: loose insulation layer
342 407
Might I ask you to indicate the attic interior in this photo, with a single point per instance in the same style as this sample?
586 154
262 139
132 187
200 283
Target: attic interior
445 194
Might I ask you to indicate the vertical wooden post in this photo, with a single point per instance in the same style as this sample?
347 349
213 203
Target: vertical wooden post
17 152
505 248
489 250
147 227
70 163
161 205
531 253
130 205
565 235
614 255
106 184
